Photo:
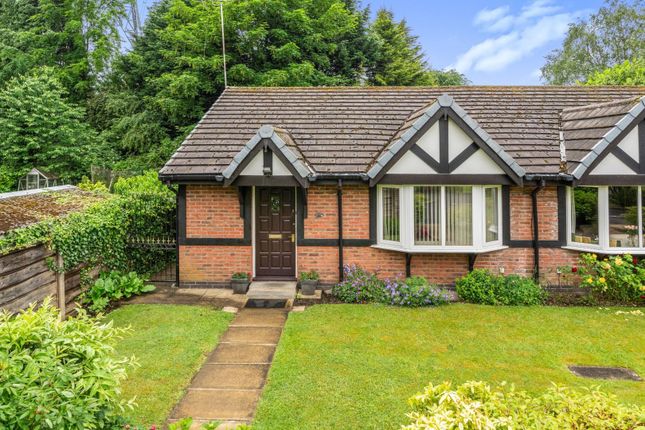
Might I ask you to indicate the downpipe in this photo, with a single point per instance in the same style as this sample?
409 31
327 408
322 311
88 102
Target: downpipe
536 231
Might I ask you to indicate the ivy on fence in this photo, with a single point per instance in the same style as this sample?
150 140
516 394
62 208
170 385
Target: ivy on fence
141 206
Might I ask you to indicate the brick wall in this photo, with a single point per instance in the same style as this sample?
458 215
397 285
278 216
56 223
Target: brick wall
213 211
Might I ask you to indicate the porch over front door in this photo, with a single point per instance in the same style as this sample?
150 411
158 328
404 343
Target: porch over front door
275 233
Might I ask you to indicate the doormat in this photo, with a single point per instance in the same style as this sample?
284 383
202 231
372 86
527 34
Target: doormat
601 372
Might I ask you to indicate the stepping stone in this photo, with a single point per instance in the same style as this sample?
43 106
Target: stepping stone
264 318
265 335
240 353
230 405
229 309
243 376
298 309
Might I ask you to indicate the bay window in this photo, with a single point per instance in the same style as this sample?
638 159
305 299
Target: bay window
607 218
438 218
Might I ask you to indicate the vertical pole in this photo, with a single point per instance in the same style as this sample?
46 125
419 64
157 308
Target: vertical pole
221 14
60 284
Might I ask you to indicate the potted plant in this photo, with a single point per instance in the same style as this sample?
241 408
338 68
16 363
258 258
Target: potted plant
240 282
309 282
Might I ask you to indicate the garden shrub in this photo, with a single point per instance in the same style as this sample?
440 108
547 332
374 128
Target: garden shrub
475 405
60 374
478 286
620 278
413 292
481 286
360 286
113 286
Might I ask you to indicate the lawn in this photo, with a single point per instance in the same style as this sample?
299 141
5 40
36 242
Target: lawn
170 343
355 366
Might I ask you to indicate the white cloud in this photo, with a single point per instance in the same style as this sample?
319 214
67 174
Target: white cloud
537 24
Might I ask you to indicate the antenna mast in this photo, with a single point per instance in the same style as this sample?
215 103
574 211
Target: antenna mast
221 14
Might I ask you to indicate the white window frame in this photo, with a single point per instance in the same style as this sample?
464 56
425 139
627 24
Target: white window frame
603 224
406 221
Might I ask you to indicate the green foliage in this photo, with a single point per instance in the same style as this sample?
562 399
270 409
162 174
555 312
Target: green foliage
360 286
39 128
399 59
240 275
413 292
113 286
96 187
626 73
476 405
482 287
309 276
607 38
187 424
620 277
77 39
59 374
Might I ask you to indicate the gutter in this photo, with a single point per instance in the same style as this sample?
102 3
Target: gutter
536 231
339 194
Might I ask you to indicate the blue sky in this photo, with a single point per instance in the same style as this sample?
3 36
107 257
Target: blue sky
494 42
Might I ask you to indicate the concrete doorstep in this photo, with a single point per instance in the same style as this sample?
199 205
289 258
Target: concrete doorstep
229 384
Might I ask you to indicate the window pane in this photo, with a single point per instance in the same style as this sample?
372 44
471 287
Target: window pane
427 215
623 217
459 216
584 215
492 215
391 214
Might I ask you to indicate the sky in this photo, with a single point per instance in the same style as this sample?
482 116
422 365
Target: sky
493 42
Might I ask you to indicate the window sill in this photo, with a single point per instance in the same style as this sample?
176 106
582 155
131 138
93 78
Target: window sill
440 250
605 251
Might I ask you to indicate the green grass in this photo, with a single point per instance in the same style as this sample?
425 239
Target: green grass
355 366
170 343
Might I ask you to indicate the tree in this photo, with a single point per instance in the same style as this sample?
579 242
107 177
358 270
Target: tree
613 35
627 73
399 57
160 89
77 38
38 128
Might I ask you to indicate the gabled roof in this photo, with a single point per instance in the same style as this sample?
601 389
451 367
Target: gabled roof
589 130
343 130
283 146
418 119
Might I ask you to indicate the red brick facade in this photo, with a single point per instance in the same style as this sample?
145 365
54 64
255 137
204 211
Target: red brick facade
214 212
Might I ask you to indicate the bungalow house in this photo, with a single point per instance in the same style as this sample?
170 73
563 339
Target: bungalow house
409 181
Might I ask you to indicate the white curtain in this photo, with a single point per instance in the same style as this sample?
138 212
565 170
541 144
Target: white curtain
391 214
459 216
427 215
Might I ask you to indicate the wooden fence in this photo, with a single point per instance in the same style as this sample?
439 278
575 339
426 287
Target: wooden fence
25 277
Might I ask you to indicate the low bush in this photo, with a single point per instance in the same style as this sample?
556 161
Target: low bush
240 276
113 286
475 405
482 287
619 278
360 286
414 292
59 374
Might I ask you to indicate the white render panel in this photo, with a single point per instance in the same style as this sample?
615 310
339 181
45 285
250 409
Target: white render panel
429 142
611 165
411 164
255 166
457 140
478 164
630 144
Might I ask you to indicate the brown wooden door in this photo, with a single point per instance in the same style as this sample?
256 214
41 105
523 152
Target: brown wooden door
275 248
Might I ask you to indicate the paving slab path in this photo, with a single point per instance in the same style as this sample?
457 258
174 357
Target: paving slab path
228 386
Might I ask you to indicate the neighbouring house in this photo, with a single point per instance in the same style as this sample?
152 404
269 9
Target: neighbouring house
409 181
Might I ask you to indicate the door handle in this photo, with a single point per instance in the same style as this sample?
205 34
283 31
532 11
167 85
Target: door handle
293 237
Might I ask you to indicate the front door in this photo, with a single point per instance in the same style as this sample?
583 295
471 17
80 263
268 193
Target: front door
275 248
